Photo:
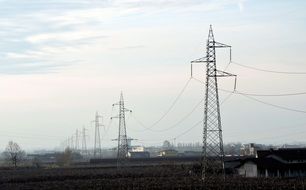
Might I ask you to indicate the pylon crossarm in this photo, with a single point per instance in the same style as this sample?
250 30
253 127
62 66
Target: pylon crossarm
116 104
226 74
223 74
221 45
200 60
127 110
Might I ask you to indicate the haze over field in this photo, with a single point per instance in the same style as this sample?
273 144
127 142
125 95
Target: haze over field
61 61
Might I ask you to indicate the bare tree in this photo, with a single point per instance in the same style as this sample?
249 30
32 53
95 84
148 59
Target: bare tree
13 153
65 158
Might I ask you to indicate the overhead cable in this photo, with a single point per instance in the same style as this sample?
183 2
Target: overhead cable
172 105
269 71
185 132
172 126
274 105
255 94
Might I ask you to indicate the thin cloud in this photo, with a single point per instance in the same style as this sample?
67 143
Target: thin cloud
129 47
65 36
54 30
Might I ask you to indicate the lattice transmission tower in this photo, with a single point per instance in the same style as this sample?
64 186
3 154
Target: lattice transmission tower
97 144
84 145
77 142
213 153
123 148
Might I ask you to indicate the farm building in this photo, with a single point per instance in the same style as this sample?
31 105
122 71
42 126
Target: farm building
168 153
275 163
136 154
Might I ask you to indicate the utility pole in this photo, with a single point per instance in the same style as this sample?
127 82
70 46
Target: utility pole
72 142
97 145
77 147
213 153
123 148
68 143
84 147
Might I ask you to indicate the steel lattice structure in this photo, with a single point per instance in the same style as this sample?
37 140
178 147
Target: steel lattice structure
213 153
84 145
97 145
122 149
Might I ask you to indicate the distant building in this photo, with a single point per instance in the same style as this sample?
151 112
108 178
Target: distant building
137 149
44 158
168 153
275 163
143 154
192 153
249 149
50 158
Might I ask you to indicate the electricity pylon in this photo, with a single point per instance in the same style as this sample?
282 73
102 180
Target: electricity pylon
77 145
213 153
84 146
122 150
72 142
97 145
68 143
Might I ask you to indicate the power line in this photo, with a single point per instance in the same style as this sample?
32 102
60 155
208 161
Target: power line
108 127
249 96
172 105
170 108
279 136
182 134
255 94
278 128
180 121
172 126
185 132
269 71
226 67
189 129
227 98
274 105
271 95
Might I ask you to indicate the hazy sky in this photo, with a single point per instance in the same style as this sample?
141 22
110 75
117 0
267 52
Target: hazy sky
61 61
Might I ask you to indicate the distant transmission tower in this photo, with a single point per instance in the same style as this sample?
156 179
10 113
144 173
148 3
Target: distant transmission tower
77 147
68 143
72 142
213 153
97 145
122 136
84 146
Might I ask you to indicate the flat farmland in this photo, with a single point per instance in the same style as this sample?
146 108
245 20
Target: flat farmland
142 178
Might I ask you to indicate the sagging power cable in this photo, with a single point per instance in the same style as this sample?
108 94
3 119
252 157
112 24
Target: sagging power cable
255 94
171 106
269 71
172 126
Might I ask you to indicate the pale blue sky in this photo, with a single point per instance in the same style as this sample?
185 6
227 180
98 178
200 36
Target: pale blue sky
60 61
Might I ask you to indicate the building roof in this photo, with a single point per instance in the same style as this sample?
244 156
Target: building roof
284 153
139 153
270 163
278 159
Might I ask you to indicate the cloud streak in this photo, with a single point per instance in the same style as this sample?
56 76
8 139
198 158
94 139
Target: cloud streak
50 29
